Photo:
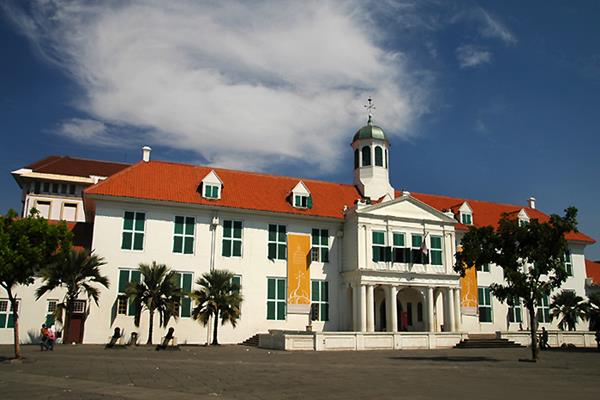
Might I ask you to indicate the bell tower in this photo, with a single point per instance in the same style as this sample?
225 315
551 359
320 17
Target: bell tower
371 159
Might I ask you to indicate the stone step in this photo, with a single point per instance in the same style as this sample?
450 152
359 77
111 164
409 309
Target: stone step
251 341
481 342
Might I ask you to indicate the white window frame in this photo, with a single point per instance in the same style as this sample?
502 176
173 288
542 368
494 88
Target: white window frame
183 235
233 239
543 310
440 250
569 264
68 204
277 300
512 314
277 242
133 231
319 301
481 305
316 250
212 186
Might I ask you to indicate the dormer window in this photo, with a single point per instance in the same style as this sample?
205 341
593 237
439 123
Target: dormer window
523 218
211 191
212 186
302 201
301 197
466 219
466 214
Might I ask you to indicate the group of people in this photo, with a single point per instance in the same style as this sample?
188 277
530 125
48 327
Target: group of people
48 338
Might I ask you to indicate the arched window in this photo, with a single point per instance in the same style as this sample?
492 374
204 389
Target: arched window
366 156
378 156
356 161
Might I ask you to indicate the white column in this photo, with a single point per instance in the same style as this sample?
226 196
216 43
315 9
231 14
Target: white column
394 308
457 313
449 294
388 309
430 321
363 308
370 308
355 307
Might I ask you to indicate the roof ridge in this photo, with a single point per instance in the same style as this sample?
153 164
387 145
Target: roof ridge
265 174
95 160
480 201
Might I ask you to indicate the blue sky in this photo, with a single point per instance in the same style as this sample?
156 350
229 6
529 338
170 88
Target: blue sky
487 100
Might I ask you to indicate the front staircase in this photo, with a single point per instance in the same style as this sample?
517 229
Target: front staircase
486 341
251 341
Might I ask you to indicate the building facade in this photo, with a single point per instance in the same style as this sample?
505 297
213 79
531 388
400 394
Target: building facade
372 258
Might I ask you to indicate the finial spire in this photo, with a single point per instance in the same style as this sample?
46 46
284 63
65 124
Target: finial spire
370 107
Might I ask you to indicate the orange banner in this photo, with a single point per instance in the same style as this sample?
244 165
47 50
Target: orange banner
468 292
298 271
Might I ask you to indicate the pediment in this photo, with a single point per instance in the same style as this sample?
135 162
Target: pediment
407 207
212 178
301 188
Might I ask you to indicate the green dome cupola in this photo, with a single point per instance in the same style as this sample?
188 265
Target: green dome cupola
370 131
371 163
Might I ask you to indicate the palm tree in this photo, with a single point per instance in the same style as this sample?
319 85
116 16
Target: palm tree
570 306
77 271
218 297
593 311
156 291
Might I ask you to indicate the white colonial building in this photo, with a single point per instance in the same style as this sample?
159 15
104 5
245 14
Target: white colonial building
374 259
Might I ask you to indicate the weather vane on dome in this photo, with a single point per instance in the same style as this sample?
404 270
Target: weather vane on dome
370 107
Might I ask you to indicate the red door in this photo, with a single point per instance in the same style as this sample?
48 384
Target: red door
76 324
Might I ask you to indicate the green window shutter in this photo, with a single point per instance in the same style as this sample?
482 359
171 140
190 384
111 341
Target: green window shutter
237 229
315 236
272 251
324 254
417 240
282 237
140 219
126 242
177 279
236 280
281 250
179 225
270 310
135 276
436 242
388 254
187 283
378 237
216 191
314 291
2 321
128 220
272 233
227 228
375 251
281 310
398 240
280 289
297 201
10 323
309 202
189 225
324 237
324 291
138 241
186 307
271 289
324 315
226 251
207 190
132 308
123 280
178 244
480 296
237 248
189 245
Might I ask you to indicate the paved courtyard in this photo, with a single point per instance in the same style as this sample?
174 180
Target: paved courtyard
237 372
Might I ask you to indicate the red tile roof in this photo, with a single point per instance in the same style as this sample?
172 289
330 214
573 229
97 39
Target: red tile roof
65 165
166 181
592 270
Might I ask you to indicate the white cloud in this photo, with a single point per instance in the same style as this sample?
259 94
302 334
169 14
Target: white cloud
470 56
492 28
240 84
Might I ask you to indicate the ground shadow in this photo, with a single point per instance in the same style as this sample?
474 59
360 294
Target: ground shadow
448 358
572 350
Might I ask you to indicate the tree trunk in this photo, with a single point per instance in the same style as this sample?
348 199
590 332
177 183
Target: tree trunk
216 317
13 304
533 332
150 327
65 331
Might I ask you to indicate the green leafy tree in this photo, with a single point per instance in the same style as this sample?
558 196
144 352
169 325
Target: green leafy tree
157 291
570 306
532 257
593 311
27 245
78 271
218 297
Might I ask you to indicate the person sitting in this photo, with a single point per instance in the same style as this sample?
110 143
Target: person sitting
169 337
47 338
117 334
